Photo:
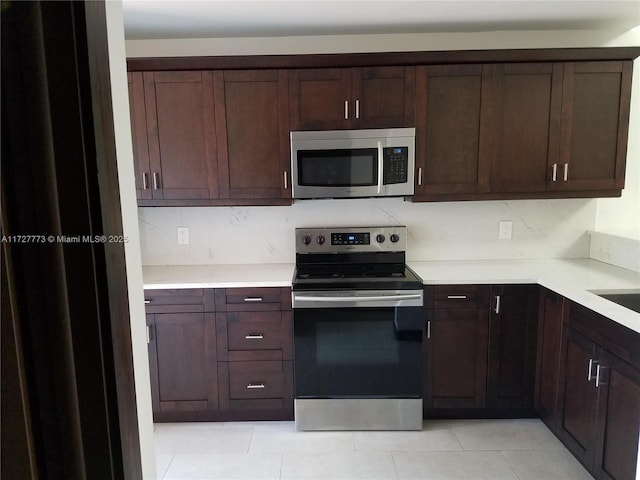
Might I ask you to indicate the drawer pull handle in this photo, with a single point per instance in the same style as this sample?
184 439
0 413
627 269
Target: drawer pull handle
255 385
147 302
456 297
253 299
497 309
254 336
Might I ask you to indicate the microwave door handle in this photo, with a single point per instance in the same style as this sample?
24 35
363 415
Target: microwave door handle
380 166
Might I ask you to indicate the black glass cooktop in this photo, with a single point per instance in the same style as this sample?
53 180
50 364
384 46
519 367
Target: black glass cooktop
350 276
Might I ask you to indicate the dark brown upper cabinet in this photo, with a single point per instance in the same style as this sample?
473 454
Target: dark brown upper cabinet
349 98
450 122
521 130
523 126
595 124
253 132
182 135
140 145
211 137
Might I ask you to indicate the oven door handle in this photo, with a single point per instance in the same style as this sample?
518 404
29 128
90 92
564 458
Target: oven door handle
328 301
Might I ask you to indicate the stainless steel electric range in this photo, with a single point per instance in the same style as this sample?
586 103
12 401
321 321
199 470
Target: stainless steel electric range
358 326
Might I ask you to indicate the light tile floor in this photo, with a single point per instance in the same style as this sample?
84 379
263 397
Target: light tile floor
443 450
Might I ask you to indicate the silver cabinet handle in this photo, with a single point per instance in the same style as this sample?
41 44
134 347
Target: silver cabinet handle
149 334
497 310
145 181
456 297
380 166
554 172
147 302
566 172
255 385
286 183
420 176
592 362
357 108
254 336
346 109
599 381
253 299
429 329
156 181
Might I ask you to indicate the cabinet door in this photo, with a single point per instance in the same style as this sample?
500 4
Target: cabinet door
321 99
383 97
253 128
456 359
618 419
525 101
578 396
183 362
141 167
548 358
181 132
450 122
512 346
595 124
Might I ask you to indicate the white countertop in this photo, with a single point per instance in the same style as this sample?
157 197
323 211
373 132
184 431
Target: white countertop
572 279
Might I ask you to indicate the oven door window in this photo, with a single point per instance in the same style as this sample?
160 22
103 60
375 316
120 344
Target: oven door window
357 167
358 352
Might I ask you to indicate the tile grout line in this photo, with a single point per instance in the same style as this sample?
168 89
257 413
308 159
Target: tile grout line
164 474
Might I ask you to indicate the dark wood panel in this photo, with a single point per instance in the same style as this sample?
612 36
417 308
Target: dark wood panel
181 129
255 120
142 170
595 118
256 380
457 359
619 424
521 136
578 397
254 330
448 128
318 99
185 361
552 308
512 346
381 59
461 296
385 96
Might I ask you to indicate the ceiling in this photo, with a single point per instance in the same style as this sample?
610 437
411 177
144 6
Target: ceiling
158 19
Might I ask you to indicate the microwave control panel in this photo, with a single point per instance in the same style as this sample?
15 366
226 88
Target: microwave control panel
396 161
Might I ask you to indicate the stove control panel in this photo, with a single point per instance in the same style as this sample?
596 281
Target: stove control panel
351 239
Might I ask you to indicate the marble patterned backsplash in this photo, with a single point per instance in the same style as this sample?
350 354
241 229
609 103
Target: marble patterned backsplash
437 231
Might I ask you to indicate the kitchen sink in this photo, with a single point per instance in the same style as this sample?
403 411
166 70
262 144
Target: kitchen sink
627 298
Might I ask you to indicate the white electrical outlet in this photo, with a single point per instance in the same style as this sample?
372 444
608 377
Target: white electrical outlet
183 235
506 230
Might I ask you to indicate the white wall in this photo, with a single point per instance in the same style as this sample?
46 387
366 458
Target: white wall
439 231
124 151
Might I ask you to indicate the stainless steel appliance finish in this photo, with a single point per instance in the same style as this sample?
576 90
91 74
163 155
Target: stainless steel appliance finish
358 329
353 163
353 414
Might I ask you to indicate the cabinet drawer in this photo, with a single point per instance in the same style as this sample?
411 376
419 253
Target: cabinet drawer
254 330
187 300
460 296
249 380
247 299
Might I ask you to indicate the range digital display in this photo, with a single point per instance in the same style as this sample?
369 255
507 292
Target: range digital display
350 238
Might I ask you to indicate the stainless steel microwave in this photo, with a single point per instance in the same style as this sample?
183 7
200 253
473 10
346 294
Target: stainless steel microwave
353 163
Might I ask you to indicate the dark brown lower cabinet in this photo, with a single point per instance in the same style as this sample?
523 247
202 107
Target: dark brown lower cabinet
552 309
512 347
456 348
182 361
599 398
223 354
